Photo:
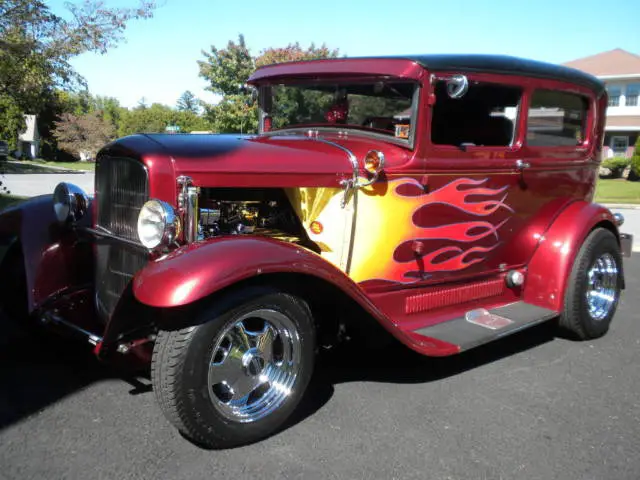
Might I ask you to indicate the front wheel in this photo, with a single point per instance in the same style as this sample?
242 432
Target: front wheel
239 373
594 287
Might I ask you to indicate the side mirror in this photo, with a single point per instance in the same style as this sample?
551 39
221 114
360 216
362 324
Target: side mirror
457 86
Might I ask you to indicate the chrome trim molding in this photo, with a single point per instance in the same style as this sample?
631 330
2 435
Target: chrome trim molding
351 183
191 215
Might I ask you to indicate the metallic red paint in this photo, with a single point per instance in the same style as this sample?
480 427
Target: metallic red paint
549 269
198 270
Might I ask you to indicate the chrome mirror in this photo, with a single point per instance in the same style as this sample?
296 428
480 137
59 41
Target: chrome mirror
457 86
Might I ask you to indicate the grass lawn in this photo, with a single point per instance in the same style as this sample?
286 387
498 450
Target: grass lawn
88 166
617 191
6 200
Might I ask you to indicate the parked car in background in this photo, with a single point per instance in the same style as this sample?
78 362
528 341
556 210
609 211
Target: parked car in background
447 198
4 150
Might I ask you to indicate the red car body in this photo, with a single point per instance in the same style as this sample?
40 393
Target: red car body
447 224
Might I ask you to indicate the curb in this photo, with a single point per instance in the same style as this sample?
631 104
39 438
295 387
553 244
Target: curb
623 206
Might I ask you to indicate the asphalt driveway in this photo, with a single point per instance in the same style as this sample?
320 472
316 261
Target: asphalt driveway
532 406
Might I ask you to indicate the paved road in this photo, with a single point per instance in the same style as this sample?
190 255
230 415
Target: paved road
44 183
631 224
529 407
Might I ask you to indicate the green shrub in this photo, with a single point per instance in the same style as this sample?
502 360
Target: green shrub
616 165
635 162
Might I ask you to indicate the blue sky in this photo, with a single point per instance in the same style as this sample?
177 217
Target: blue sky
158 59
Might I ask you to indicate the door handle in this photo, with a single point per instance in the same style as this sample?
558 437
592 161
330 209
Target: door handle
521 165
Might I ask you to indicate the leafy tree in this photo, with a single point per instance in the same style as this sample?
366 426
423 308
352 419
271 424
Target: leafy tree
37 46
83 135
294 53
11 120
156 118
188 103
227 71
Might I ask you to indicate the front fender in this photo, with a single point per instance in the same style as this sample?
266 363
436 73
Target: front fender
551 264
53 258
195 271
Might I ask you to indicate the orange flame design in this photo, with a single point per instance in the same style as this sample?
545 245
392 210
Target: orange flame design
391 219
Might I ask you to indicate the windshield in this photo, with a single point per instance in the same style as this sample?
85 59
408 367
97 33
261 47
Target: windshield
382 107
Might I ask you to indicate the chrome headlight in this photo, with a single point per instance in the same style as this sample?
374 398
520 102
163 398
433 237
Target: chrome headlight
158 224
70 202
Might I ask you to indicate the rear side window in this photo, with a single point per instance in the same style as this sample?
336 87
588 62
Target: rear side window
557 119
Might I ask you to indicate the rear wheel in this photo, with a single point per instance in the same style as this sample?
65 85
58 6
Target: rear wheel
594 286
237 375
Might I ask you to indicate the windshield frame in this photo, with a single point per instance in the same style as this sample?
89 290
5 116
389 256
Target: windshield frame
264 99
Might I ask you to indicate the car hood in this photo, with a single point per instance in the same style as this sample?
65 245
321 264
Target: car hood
260 161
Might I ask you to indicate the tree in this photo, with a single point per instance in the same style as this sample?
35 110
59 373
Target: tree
157 117
37 45
227 71
188 103
84 135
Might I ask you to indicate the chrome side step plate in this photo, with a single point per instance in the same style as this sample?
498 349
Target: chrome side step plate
481 326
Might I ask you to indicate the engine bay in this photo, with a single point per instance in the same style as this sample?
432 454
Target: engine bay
266 212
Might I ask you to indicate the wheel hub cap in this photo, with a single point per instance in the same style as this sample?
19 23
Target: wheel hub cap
602 286
252 362
254 365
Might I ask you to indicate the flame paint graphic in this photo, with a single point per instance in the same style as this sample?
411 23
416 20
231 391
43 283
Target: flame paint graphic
392 222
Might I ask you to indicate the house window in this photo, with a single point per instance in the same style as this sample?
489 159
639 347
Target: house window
633 91
557 119
614 95
619 145
484 117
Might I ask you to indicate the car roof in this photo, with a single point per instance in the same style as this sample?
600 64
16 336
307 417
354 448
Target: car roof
470 63
507 65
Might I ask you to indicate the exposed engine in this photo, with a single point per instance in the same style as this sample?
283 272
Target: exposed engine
247 211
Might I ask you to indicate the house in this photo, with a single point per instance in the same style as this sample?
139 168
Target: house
620 70
29 140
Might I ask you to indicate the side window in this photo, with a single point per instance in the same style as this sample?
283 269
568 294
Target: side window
484 116
557 119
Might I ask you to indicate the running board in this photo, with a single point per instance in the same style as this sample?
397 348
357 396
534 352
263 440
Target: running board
483 326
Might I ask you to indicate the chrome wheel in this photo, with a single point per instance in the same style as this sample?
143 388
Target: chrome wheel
602 286
254 365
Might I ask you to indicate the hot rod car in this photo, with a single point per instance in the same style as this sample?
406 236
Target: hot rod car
446 197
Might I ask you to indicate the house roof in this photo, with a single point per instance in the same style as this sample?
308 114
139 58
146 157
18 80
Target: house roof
31 133
614 62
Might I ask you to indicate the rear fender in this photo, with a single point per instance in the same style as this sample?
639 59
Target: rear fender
551 264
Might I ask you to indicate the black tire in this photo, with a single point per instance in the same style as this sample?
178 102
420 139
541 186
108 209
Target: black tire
180 369
576 319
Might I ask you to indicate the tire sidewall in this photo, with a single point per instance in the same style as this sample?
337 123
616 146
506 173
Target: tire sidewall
212 322
597 243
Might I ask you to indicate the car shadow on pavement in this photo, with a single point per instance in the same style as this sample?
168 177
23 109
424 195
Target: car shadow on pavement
395 363
38 370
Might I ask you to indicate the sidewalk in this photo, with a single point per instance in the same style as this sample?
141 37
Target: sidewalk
35 184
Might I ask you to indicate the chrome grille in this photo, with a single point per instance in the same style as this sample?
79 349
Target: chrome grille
122 187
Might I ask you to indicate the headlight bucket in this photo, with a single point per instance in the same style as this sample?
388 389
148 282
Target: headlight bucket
70 202
158 224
